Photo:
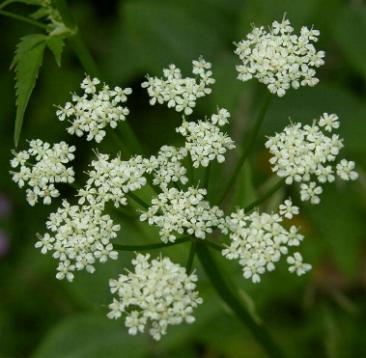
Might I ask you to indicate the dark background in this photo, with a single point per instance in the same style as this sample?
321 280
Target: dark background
321 314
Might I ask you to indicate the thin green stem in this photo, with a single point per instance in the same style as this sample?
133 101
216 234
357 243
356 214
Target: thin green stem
125 214
192 253
138 200
213 245
6 3
81 51
247 147
206 179
23 19
264 196
150 246
230 296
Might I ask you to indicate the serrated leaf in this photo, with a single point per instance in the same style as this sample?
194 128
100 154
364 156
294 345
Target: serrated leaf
56 45
27 61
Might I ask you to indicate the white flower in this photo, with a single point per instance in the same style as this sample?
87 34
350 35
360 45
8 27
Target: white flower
345 170
80 236
279 58
258 241
110 180
288 210
166 167
40 167
157 293
177 212
204 140
178 92
305 154
92 112
329 121
296 264
310 192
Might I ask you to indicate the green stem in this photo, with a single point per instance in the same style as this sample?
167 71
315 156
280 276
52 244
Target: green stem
229 295
138 200
23 19
213 245
206 179
248 145
125 214
265 196
81 51
192 253
84 55
6 3
129 138
149 247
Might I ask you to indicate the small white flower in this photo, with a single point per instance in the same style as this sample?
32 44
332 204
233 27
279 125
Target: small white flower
288 210
345 170
329 121
297 265
178 92
205 141
310 192
79 236
158 293
111 179
305 154
258 241
92 112
166 166
279 58
177 212
40 167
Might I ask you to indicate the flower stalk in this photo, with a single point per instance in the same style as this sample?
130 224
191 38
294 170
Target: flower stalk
248 145
229 295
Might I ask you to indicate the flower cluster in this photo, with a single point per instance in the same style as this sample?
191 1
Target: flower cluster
305 154
110 180
166 166
175 211
92 112
204 140
258 241
178 92
80 236
40 167
279 58
158 293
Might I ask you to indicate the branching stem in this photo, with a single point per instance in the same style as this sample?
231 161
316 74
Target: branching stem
247 147
230 296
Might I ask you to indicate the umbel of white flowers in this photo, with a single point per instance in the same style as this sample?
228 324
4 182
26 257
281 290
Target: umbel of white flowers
306 154
259 240
40 167
80 236
157 294
279 58
92 112
180 92
183 211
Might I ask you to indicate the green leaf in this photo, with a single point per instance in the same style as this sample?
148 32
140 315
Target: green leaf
27 61
56 45
90 336
40 13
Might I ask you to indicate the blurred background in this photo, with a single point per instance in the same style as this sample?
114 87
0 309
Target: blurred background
322 314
